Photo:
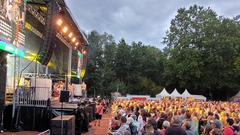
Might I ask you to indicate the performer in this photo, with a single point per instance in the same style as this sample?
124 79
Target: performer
84 89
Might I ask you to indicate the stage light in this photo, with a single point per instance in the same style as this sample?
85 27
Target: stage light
59 22
84 52
70 35
73 39
65 29
77 44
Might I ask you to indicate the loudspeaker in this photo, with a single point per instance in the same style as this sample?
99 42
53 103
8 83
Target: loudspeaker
64 96
46 50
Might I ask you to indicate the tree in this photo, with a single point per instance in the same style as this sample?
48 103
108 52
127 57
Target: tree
101 60
201 49
123 61
95 62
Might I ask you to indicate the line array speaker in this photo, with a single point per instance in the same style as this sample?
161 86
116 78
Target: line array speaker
46 50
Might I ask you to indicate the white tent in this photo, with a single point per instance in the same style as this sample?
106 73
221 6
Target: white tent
236 98
175 93
186 94
163 93
200 97
237 95
123 98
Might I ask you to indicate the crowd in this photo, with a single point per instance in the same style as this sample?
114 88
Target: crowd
175 117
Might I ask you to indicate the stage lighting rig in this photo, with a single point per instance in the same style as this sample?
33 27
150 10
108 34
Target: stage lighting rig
65 29
59 22
77 44
73 39
70 34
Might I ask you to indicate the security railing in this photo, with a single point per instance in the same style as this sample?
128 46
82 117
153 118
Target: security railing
32 96
47 132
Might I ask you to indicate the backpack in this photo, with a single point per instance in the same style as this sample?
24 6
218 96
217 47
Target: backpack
133 129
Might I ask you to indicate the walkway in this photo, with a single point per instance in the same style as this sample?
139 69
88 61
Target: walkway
103 129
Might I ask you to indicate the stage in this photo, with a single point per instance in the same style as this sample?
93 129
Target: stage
31 118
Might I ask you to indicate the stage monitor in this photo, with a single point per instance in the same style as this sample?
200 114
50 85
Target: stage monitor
64 96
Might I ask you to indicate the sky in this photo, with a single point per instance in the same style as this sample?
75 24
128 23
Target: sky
139 20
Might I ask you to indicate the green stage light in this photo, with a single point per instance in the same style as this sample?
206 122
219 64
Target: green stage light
80 54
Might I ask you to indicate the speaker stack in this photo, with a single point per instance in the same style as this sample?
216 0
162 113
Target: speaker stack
46 49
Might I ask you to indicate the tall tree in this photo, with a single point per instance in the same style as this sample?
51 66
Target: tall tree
201 49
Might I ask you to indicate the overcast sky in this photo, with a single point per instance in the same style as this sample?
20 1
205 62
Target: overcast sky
139 20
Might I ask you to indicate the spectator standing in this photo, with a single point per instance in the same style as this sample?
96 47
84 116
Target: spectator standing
124 128
229 130
99 113
165 126
175 129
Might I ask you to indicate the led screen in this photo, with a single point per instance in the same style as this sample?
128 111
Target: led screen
12 20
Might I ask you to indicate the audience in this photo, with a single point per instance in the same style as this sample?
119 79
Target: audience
175 117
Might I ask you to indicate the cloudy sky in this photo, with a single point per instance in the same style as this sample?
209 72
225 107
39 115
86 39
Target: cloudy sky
139 20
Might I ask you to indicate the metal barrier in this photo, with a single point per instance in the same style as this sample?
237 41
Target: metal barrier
32 96
47 132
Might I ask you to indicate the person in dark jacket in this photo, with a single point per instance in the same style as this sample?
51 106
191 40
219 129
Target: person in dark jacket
175 128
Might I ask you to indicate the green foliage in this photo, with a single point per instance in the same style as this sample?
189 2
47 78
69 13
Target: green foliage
202 50
202 55
134 69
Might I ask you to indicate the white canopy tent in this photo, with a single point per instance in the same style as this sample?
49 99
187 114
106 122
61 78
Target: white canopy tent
175 93
200 97
123 98
163 93
186 94
236 97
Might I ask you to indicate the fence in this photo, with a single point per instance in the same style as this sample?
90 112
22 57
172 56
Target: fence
32 96
47 132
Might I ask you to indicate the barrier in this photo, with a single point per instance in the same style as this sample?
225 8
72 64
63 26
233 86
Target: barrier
47 132
32 96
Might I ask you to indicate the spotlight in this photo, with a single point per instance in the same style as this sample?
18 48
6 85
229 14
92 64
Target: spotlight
77 44
65 29
70 35
59 22
73 39
84 52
